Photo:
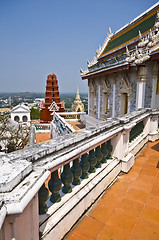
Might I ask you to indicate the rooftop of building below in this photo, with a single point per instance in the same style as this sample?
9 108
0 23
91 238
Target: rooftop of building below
45 136
128 209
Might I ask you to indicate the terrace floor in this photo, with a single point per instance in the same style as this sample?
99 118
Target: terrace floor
77 125
129 209
42 137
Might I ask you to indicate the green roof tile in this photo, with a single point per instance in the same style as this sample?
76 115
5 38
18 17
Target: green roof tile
132 33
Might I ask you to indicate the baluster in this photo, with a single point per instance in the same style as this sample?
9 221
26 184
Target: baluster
77 172
92 160
85 166
99 157
67 178
104 152
54 187
43 197
109 147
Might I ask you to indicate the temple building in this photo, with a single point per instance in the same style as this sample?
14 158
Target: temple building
77 106
21 114
52 100
124 74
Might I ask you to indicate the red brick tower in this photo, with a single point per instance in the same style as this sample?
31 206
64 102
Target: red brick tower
52 99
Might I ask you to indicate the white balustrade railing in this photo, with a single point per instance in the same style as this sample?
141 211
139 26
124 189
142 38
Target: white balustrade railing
72 116
81 163
42 127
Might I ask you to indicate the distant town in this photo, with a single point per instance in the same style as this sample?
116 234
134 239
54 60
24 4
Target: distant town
33 100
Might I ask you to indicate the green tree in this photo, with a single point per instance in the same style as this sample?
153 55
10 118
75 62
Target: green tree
34 113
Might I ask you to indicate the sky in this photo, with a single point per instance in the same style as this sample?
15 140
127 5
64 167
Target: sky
39 37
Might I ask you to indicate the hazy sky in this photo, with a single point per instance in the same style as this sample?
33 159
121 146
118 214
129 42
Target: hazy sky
38 37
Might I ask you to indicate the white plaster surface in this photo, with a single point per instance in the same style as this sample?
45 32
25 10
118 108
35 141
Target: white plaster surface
12 173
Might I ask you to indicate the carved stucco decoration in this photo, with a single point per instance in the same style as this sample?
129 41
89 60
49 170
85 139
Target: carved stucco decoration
142 52
106 86
124 85
92 86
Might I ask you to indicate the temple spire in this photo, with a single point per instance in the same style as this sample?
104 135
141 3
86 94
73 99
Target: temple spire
77 95
77 106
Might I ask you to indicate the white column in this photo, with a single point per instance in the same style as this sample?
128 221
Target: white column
88 100
99 100
141 83
154 85
128 103
114 88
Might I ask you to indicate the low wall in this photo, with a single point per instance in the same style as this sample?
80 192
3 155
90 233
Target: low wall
107 148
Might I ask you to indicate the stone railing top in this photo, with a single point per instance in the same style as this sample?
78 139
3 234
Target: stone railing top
135 115
38 152
12 172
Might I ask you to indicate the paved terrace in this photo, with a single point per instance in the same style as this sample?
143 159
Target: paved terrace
129 209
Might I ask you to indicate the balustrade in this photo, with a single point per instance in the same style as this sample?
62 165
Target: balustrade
73 159
86 163
136 131
104 152
67 179
85 166
42 127
43 197
99 156
77 172
54 185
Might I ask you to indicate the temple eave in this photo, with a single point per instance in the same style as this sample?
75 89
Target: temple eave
109 70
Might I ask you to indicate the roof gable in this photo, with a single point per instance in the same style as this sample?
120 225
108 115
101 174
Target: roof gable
131 32
20 108
53 107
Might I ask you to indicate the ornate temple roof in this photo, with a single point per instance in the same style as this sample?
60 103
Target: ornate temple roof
133 44
130 32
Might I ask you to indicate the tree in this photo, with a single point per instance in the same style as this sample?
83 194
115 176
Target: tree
13 136
34 113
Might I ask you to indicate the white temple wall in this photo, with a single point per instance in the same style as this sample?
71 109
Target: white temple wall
141 84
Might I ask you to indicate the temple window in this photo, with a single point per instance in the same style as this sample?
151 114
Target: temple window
25 118
16 118
124 103
93 101
105 103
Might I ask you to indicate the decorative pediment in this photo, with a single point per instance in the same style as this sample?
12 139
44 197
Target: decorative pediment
106 86
92 86
124 85
53 107
20 108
